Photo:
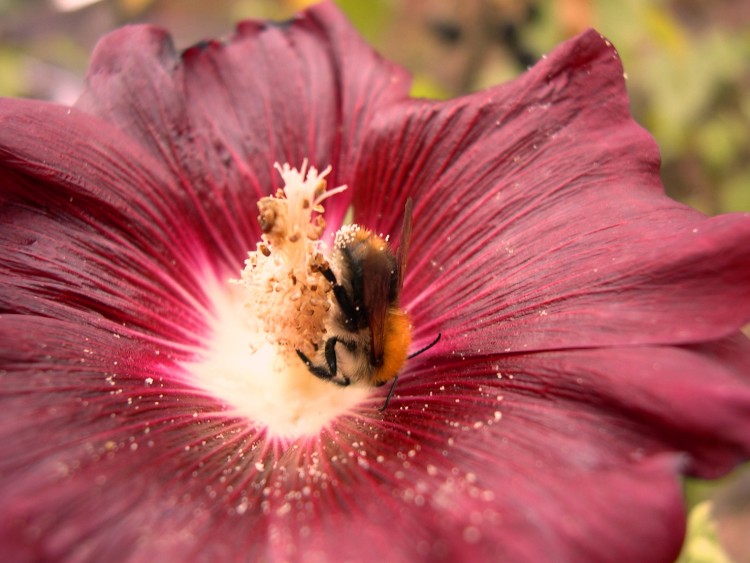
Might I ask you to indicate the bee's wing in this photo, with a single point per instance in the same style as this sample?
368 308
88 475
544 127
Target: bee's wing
403 245
377 271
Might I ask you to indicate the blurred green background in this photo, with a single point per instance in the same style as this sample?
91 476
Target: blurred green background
688 73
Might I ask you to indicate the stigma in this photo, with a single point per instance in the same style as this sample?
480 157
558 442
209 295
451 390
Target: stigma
278 307
284 286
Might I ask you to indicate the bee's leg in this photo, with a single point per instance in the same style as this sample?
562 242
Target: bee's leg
329 275
350 312
390 393
331 360
331 354
327 372
318 371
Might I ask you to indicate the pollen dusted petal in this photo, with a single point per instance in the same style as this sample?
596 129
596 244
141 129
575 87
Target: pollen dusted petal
96 429
150 448
539 436
131 466
618 402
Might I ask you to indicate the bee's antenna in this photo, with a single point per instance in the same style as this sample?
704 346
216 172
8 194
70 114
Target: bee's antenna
430 345
390 392
395 379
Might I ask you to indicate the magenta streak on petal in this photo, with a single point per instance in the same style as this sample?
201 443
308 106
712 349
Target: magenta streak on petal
142 240
127 265
83 293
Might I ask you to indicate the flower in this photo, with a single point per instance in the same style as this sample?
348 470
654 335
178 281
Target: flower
590 349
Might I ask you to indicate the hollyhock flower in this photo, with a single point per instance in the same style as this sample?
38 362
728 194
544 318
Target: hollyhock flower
590 349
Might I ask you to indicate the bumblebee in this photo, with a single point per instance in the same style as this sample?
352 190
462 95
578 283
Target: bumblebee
369 332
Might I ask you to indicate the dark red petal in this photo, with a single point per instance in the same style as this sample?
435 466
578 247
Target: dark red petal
221 114
540 221
89 232
686 284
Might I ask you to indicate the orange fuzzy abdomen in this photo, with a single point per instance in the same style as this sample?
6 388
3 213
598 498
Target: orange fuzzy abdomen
396 346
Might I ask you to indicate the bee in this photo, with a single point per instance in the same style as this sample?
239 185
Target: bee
370 332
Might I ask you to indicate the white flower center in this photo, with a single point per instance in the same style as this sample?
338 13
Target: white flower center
279 305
